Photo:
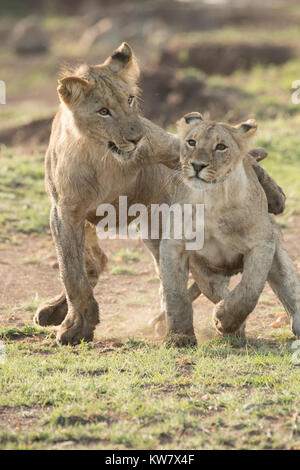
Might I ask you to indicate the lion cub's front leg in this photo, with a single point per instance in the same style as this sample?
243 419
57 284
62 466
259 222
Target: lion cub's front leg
230 314
68 233
54 311
175 272
285 282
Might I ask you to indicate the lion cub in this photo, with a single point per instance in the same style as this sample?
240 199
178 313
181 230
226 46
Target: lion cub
239 234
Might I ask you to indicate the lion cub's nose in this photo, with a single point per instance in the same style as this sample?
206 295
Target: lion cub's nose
198 167
135 140
134 133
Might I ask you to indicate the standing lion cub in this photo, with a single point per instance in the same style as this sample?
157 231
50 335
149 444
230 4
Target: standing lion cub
239 234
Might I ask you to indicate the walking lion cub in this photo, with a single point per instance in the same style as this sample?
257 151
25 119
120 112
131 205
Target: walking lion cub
239 234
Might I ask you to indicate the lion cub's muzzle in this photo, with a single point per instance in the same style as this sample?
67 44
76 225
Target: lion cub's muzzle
127 149
133 131
132 138
198 167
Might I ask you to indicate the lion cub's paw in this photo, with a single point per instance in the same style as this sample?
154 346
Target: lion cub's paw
295 324
226 322
75 333
52 312
180 340
76 327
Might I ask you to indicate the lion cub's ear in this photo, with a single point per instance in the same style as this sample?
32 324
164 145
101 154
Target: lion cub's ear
72 89
187 122
248 128
123 62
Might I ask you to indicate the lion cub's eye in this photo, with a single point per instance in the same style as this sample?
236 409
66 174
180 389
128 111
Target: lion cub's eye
103 112
221 147
131 100
191 143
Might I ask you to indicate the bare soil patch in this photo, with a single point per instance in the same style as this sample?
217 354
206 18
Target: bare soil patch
18 418
168 95
224 59
35 133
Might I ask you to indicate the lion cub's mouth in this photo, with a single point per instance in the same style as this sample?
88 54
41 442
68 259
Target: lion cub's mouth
198 179
213 180
112 146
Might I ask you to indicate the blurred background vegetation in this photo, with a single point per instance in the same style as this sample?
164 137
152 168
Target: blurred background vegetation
229 59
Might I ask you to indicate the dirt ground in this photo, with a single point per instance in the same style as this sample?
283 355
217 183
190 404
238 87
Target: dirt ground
128 301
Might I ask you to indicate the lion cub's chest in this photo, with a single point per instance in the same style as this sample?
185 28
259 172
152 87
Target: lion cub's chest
225 239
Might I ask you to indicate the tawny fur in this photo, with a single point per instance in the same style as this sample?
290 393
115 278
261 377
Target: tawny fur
239 234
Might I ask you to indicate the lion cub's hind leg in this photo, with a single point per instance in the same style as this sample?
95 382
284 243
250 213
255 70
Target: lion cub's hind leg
54 311
158 322
285 282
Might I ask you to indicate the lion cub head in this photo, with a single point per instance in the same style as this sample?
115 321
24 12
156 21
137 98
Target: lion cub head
103 101
210 150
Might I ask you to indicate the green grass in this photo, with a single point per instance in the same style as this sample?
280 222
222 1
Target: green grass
24 205
280 139
12 117
128 256
122 270
224 394
27 330
267 90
